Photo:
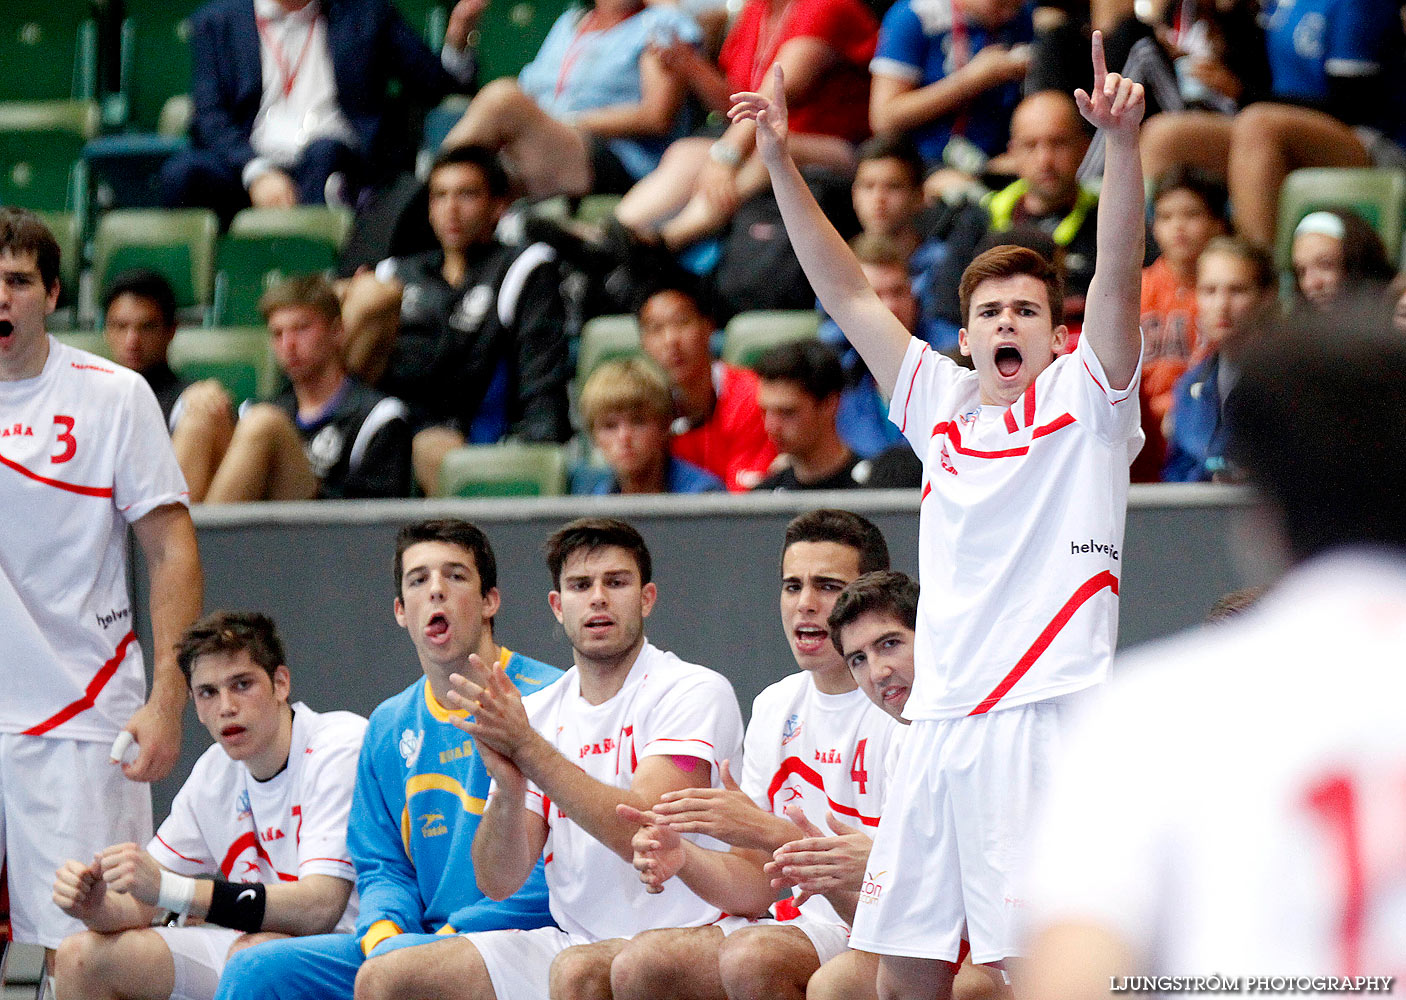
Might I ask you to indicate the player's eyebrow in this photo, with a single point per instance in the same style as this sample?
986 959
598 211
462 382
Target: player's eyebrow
996 303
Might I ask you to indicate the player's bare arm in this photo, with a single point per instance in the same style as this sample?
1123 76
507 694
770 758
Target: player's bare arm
311 905
500 721
79 890
167 539
1112 309
733 881
829 264
727 813
823 864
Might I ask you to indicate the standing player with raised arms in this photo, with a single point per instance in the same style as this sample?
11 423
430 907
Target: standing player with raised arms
1023 506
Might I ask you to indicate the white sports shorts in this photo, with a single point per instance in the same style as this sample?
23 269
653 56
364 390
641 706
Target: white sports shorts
952 839
60 799
827 937
199 954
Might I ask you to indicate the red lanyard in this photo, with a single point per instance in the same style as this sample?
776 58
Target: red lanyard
573 51
290 74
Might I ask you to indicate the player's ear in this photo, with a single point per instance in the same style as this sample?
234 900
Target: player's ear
554 602
1059 336
963 344
282 682
492 601
649 593
399 609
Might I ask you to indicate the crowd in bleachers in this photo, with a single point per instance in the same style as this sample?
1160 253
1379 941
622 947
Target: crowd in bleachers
495 260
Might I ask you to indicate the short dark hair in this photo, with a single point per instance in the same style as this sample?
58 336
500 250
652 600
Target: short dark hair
453 531
1233 604
1317 426
307 291
810 364
230 632
487 161
21 231
843 527
591 533
885 592
893 146
1207 189
680 286
1007 261
144 283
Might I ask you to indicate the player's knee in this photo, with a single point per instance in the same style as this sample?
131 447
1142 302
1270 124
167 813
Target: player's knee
79 960
380 978
580 974
647 966
760 964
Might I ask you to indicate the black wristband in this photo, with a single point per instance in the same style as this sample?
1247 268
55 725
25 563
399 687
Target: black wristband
237 905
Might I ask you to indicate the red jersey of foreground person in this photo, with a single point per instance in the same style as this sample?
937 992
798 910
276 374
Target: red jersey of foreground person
732 444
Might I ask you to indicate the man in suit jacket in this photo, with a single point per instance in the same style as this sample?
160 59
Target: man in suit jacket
290 98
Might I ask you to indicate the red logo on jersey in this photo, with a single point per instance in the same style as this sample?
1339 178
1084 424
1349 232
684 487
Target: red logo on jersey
946 459
606 745
828 757
272 833
792 793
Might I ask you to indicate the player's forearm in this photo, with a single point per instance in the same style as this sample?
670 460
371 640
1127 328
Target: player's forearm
177 589
1112 307
502 850
120 911
587 802
835 274
733 881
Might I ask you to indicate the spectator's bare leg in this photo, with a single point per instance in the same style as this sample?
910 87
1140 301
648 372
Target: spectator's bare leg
202 434
265 461
133 965
444 970
1198 139
662 192
583 972
548 157
427 453
370 319
1270 140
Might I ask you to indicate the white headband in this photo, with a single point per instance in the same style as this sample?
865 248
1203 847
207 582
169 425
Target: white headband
1322 223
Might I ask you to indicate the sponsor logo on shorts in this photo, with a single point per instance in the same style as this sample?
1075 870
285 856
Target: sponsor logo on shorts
791 730
1095 547
872 888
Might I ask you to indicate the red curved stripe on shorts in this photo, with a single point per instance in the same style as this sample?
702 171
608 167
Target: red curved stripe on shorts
90 694
909 398
87 491
1088 589
794 765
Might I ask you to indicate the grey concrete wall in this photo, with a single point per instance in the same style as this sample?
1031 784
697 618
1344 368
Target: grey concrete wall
323 571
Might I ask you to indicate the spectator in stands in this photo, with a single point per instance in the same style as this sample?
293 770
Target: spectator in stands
594 109
139 323
1188 209
1048 140
470 335
1235 287
1338 99
291 99
950 69
328 435
1337 255
627 409
719 426
824 47
888 197
799 392
1396 301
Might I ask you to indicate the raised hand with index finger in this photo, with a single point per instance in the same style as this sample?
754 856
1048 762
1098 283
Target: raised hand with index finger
1116 103
769 114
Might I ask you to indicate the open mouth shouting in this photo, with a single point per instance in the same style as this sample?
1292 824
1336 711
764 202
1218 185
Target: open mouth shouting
1008 361
810 639
6 328
437 628
598 625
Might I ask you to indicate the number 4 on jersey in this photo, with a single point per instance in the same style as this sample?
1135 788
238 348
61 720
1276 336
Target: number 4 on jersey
858 774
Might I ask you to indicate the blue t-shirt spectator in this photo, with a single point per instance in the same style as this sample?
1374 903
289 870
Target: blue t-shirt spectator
679 477
923 41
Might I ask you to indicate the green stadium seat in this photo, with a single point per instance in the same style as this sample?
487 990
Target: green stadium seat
1379 196
241 358
67 228
180 243
504 470
511 32
48 51
264 246
41 149
85 340
154 61
749 335
605 338
428 18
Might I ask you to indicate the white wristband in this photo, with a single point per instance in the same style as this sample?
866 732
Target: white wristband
176 894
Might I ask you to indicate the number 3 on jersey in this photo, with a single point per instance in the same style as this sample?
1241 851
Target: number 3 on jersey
67 443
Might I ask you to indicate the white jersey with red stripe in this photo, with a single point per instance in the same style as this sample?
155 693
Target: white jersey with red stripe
1021 530
822 752
666 707
223 822
1232 802
83 453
